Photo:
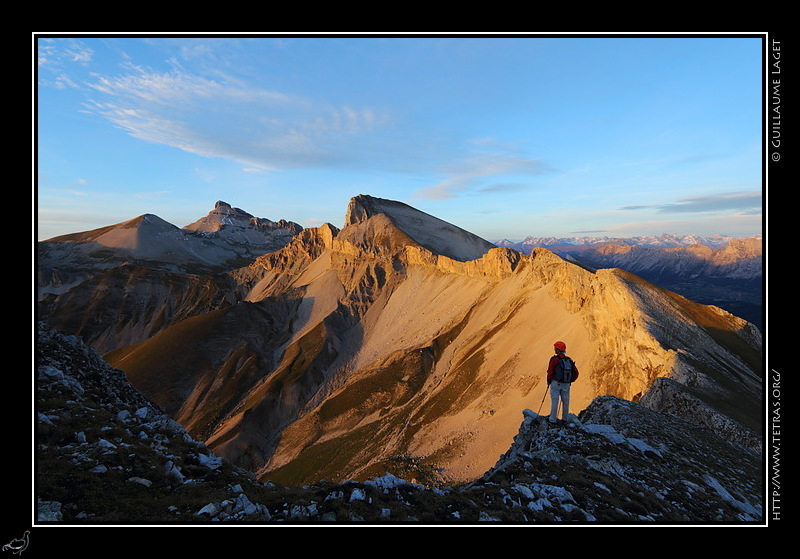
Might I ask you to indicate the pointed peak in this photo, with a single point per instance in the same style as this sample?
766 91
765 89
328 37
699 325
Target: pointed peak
436 235
223 214
149 220
225 208
363 207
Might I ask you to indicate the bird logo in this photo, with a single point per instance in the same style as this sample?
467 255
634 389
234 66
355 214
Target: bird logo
18 545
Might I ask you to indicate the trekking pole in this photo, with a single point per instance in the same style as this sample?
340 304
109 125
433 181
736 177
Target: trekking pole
538 412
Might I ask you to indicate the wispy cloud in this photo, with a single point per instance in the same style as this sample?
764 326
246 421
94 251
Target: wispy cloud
56 57
52 53
504 187
448 188
470 170
742 202
227 119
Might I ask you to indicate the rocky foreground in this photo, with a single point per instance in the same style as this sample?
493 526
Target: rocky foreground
104 454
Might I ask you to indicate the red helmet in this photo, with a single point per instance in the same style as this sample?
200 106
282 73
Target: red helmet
560 346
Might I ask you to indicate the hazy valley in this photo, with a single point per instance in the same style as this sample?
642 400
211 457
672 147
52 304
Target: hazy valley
405 345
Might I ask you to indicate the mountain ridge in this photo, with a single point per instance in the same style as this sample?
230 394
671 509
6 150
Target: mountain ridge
225 238
351 349
367 301
723 271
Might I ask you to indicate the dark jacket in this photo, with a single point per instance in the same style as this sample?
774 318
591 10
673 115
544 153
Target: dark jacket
551 367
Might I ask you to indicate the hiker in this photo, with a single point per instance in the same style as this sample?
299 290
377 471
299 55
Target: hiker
561 373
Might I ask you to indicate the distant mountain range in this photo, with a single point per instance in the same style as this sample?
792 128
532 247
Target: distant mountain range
399 342
665 240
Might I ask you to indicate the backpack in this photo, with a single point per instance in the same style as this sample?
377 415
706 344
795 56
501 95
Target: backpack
565 370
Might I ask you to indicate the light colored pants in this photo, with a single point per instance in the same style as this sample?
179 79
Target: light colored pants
559 390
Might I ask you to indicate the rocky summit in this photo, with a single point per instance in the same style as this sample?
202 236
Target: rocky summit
105 454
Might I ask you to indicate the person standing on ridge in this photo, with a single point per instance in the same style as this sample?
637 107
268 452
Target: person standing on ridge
561 373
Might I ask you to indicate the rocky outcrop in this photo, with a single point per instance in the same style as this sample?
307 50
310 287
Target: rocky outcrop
618 461
668 396
106 453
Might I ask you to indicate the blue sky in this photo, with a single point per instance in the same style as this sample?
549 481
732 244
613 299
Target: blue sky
505 137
